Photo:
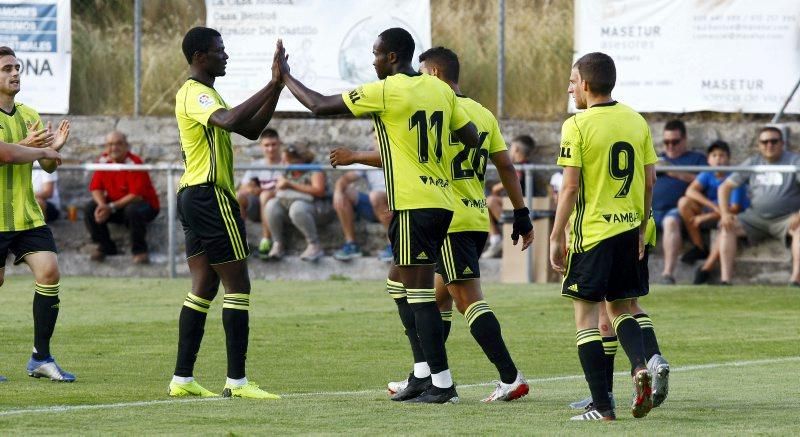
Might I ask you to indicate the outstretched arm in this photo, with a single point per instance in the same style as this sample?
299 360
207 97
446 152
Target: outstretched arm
314 101
344 156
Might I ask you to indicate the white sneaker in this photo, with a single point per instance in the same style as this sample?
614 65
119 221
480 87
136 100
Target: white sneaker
494 250
397 386
312 253
509 392
659 368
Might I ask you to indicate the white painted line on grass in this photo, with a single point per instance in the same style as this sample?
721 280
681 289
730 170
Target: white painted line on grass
67 408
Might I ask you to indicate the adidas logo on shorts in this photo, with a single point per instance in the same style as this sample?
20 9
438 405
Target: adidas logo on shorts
573 287
422 255
467 271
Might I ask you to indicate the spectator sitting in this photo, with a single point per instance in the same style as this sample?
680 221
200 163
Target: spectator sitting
297 191
554 188
521 148
45 190
774 205
126 197
699 210
258 186
351 204
669 188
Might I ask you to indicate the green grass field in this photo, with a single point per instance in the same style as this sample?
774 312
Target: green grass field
330 347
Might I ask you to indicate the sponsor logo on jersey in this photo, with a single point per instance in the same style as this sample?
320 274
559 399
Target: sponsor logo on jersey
205 100
474 203
439 182
625 217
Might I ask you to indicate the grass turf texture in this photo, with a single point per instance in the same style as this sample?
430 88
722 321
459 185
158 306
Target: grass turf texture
330 347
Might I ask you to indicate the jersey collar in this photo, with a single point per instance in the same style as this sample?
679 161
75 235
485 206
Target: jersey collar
598 105
13 111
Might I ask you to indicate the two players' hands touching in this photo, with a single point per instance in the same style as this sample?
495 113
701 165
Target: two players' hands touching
280 64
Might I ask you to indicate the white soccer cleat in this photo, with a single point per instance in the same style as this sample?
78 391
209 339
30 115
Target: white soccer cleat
659 368
397 386
509 392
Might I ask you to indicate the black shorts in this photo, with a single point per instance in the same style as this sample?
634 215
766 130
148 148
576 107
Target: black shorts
458 260
22 243
609 271
644 274
417 234
212 224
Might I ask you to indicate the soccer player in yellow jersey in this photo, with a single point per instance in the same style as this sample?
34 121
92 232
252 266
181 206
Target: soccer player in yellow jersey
414 115
23 231
607 154
216 246
458 269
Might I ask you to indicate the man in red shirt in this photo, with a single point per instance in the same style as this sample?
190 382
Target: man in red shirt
125 197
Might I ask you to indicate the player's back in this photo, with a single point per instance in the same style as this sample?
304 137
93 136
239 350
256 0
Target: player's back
611 143
467 168
413 116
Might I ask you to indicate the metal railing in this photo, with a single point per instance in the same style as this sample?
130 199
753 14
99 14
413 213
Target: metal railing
172 170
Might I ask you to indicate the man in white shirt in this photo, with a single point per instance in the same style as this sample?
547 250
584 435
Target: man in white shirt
45 189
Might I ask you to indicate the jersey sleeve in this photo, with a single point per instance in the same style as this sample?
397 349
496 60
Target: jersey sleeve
365 99
571 144
200 104
496 141
459 117
650 156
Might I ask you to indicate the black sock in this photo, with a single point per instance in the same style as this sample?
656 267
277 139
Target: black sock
610 347
630 337
590 352
648 335
428 321
447 320
236 321
191 327
486 330
398 293
45 314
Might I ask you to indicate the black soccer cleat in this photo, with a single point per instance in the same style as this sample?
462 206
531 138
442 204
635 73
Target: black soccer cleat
436 395
416 386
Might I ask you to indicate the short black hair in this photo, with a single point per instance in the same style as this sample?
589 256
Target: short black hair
445 59
771 129
398 40
269 133
7 51
719 145
676 125
525 140
599 71
198 39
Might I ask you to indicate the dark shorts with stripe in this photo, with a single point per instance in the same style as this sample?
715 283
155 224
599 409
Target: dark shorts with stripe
609 270
417 234
22 243
212 224
458 260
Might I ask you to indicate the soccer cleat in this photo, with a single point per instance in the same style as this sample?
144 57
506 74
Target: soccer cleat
642 394
436 395
249 391
396 386
347 252
587 404
509 392
414 387
659 368
47 368
593 414
180 389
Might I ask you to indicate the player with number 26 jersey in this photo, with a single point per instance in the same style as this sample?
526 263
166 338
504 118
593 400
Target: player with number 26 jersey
609 198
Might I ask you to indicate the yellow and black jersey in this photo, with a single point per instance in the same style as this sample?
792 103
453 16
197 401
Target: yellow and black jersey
206 149
468 167
413 117
611 144
18 208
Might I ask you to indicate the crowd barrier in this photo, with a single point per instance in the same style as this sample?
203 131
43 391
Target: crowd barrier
174 170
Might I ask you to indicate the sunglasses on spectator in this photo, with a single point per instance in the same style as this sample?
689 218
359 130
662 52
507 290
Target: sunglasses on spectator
671 142
770 141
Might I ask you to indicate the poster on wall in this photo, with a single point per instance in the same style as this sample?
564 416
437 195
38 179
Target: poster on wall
329 42
696 55
39 32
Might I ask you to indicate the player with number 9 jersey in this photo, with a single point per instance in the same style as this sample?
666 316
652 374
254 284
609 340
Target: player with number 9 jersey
611 191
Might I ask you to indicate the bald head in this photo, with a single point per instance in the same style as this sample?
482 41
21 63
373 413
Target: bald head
117 146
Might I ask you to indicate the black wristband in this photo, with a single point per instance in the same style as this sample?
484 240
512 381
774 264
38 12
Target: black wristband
522 212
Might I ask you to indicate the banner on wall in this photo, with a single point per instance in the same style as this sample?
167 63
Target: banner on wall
329 42
696 55
39 32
